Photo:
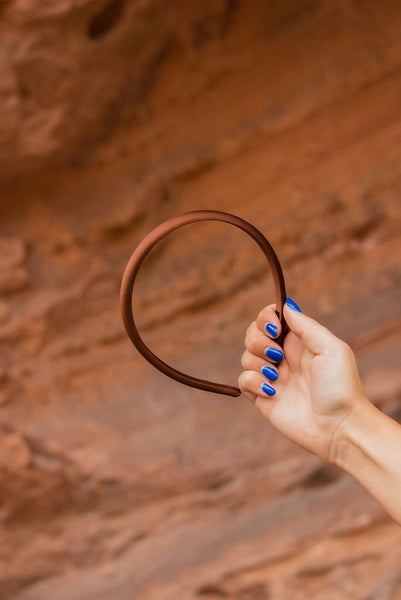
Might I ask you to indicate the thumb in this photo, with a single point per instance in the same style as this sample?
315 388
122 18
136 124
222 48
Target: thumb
314 336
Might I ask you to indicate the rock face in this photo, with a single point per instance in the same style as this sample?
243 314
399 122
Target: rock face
116 482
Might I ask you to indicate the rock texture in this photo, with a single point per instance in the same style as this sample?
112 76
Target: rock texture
116 482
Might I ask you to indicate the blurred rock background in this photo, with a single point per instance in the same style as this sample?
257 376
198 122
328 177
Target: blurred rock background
116 482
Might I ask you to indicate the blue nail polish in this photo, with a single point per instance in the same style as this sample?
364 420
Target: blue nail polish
269 373
271 329
293 305
274 354
268 389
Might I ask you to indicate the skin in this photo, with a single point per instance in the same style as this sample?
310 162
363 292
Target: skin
319 403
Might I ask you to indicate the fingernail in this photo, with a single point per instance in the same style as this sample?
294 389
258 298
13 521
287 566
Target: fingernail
271 329
268 389
293 305
269 373
274 354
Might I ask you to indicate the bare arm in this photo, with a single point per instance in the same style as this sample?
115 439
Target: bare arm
368 447
312 393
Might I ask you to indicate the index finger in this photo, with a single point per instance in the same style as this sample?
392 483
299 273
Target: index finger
268 322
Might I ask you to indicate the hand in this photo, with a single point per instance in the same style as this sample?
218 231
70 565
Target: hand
310 390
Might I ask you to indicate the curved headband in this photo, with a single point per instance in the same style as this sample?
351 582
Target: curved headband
139 256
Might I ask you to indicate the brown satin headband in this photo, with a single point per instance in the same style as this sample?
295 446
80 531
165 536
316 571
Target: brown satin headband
137 259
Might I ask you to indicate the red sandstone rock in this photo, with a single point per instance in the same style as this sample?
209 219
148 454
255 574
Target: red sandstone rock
116 482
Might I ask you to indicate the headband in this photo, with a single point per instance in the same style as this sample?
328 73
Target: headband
139 256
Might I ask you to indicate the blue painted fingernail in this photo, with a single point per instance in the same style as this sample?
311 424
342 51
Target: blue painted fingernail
293 305
269 373
274 354
271 329
268 389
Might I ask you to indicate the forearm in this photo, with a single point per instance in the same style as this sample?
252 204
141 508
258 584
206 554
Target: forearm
369 449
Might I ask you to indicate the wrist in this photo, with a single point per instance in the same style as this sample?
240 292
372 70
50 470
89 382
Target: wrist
350 437
367 447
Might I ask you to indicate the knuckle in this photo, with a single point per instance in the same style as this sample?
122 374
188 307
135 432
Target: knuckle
251 340
244 360
268 313
249 361
253 345
250 329
241 383
245 380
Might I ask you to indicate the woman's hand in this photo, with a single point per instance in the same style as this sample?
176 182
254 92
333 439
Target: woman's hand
312 393
309 390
